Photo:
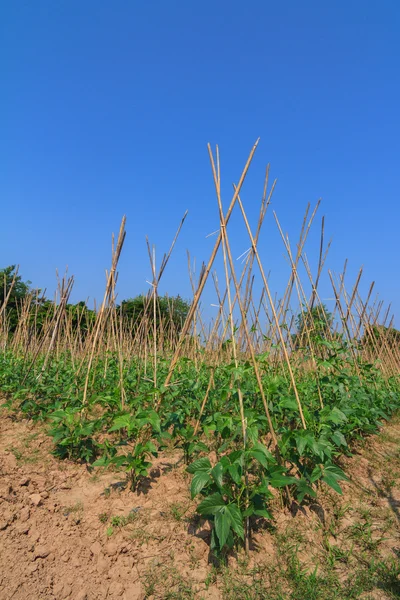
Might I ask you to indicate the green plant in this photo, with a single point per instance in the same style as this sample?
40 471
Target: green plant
103 518
135 460
73 434
236 488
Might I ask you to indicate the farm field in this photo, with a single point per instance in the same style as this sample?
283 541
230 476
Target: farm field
149 453
71 532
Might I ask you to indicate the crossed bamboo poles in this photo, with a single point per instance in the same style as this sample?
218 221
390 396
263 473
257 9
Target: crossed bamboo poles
357 318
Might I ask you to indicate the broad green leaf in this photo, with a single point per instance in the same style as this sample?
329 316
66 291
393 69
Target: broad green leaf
214 540
248 512
336 472
252 434
235 471
304 489
201 464
211 504
101 462
199 481
301 443
152 418
278 480
222 523
120 461
151 447
316 474
217 474
260 457
121 422
339 438
336 416
262 448
260 512
289 403
236 457
320 449
330 480
236 520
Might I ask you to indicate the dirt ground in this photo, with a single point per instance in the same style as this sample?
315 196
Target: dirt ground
67 531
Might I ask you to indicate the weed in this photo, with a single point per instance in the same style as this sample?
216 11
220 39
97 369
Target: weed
117 521
166 583
103 518
178 510
74 508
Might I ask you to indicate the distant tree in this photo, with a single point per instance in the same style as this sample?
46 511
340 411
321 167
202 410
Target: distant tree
318 321
377 335
170 310
81 317
13 291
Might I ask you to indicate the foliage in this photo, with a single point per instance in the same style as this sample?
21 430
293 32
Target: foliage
378 336
312 325
237 487
135 460
19 290
170 311
233 481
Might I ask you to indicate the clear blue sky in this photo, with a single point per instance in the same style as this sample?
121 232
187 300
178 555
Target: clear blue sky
107 108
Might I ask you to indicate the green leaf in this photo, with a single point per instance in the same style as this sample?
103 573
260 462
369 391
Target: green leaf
236 520
262 448
151 447
217 474
121 422
334 416
336 472
222 525
330 480
339 438
316 474
260 457
248 512
304 489
236 457
303 439
120 461
214 541
199 481
278 481
289 403
260 512
154 420
101 462
321 449
201 464
235 471
211 504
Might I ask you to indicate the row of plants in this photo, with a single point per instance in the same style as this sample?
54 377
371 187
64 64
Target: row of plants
341 402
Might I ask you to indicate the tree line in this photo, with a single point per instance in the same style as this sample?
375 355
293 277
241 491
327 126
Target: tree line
310 325
16 293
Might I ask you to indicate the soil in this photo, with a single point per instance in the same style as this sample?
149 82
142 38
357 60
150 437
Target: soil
69 531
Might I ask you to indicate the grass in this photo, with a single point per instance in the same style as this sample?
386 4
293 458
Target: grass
74 508
166 583
178 510
117 521
290 579
24 455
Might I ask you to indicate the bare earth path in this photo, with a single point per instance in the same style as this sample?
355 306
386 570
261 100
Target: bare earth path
66 532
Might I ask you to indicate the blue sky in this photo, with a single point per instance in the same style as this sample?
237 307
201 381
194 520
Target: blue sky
107 109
